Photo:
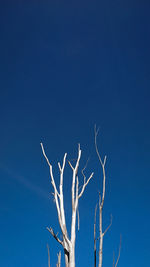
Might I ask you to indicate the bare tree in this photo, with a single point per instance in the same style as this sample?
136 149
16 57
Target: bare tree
67 243
101 204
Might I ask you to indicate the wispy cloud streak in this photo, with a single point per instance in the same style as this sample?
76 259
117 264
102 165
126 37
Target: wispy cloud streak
24 181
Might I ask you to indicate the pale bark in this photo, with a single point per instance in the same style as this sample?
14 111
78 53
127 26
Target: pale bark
67 243
101 204
59 259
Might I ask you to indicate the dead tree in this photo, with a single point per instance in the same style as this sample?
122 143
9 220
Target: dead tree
101 204
67 243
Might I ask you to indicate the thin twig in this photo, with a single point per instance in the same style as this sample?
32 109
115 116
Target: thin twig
108 226
118 253
48 255
95 236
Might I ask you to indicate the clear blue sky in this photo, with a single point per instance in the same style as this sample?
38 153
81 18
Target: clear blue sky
64 66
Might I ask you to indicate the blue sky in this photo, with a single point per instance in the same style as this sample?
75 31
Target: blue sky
65 66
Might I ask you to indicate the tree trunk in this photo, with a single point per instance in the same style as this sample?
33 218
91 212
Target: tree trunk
101 238
66 257
72 257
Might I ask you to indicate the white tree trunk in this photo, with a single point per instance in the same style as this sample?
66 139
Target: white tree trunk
101 238
72 257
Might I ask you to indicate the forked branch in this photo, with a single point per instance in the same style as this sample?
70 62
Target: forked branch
54 235
85 184
58 196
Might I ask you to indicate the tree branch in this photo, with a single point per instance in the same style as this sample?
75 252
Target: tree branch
85 184
108 226
118 255
95 237
59 206
59 259
75 170
101 200
48 255
62 211
96 134
51 171
70 165
54 235
78 219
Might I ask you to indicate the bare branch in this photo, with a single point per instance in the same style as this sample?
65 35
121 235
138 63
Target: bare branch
51 172
96 133
70 165
113 259
54 235
78 219
62 211
75 170
103 166
48 255
59 166
45 155
85 184
104 160
95 237
84 181
118 253
84 169
77 188
64 161
59 206
101 201
78 160
59 259
108 226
